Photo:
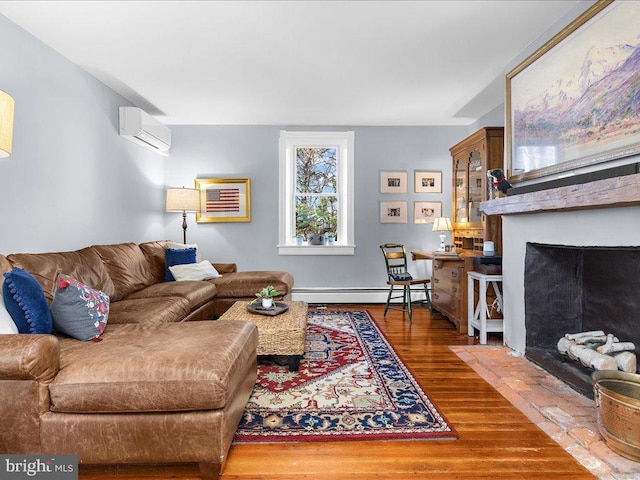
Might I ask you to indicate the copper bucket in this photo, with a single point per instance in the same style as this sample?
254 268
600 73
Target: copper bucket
617 397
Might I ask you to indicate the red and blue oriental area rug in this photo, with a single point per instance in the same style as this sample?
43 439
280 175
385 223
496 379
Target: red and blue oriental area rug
351 385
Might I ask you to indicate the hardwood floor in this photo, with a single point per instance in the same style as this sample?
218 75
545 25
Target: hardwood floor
496 440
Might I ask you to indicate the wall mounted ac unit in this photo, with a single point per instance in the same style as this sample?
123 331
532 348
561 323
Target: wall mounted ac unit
141 128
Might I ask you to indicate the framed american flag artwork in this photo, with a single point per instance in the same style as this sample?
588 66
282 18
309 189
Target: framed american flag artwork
224 200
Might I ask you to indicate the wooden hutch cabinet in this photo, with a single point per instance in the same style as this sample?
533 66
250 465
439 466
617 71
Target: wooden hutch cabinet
472 158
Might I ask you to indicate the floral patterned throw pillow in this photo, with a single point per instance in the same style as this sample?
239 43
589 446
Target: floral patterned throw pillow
79 310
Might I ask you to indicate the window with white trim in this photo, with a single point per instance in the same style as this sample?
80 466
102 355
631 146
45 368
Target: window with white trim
316 193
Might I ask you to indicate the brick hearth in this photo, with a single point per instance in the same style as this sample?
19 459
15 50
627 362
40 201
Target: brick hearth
566 416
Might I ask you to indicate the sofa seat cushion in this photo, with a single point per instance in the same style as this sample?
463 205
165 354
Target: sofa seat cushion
165 368
196 293
149 311
247 284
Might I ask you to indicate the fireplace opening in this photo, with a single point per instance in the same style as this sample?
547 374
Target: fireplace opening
571 289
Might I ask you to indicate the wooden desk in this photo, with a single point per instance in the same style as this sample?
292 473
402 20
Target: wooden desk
449 284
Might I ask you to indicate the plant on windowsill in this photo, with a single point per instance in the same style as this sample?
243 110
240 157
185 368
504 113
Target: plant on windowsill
316 224
266 295
331 238
317 235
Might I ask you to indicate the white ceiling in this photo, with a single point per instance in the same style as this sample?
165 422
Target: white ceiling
296 62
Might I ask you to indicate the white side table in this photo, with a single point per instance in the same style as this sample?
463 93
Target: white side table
479 316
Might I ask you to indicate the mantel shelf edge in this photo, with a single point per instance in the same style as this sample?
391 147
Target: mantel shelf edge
607 193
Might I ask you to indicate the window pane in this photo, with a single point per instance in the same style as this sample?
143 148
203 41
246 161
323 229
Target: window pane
315 214
316 170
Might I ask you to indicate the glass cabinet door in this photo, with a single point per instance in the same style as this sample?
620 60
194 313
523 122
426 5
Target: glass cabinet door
461 215
475 187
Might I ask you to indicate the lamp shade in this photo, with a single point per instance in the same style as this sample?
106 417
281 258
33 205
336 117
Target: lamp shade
442 224
6 124
183 200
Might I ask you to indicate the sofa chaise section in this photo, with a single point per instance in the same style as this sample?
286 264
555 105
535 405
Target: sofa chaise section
156 387
168 394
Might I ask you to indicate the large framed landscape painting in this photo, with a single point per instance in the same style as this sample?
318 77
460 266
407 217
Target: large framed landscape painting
576 101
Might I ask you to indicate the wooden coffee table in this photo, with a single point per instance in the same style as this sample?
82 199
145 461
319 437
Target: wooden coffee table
283 334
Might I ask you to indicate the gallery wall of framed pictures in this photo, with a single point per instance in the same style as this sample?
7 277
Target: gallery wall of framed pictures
425 210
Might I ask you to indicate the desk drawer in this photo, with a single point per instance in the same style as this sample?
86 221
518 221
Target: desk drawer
445 302
449 279
449 284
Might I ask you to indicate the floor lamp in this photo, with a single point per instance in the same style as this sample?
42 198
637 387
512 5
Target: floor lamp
183 200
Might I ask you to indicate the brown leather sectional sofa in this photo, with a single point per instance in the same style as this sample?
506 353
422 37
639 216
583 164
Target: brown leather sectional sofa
159 388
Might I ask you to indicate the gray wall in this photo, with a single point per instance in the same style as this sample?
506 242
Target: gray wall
219 151
494 118
71 180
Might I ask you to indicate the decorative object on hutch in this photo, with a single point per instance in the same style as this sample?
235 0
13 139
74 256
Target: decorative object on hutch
183 200
442 225
472 158
6 124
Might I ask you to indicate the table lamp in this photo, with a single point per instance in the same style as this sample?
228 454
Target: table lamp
442 225
6 123
183 200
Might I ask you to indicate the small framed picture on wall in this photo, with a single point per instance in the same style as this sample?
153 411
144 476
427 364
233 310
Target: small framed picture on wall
393 212
426 212
393 182
428 182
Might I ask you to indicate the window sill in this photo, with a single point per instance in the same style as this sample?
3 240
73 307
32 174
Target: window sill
316 249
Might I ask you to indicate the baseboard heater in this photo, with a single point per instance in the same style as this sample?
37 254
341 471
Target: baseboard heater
347 294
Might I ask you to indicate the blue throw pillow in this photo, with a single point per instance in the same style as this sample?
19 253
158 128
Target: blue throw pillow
25 302
178 256
401 277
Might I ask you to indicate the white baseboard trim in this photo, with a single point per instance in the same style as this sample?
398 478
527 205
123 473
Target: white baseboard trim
347 295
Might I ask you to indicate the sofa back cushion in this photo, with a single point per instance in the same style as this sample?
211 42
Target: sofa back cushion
5 265
127 266
85 265
155 252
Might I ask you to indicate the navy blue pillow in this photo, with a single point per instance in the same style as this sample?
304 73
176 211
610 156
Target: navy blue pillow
178 256
25 302
401 277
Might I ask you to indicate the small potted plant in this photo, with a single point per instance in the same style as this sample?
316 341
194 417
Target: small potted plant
266 295
331 238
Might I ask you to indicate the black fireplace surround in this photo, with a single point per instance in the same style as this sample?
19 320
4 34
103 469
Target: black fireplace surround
570 289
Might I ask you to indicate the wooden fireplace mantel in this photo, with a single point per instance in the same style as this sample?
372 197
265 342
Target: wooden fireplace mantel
607 193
